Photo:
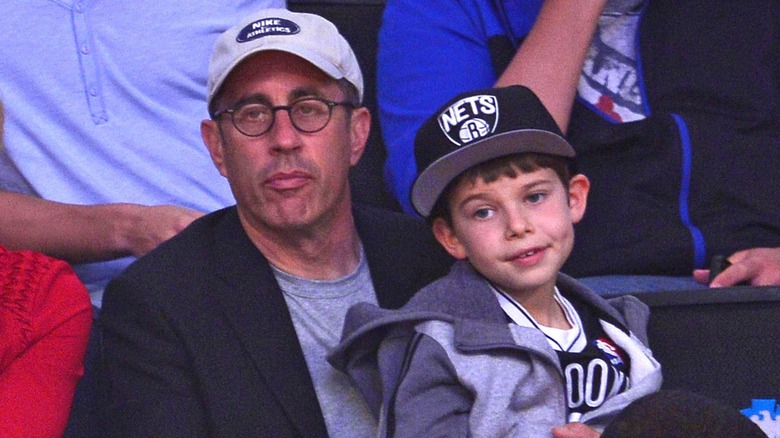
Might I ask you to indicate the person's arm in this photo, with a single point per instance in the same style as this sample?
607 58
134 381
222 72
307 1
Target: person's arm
426 57
85 233
550 59
152 389
429 399
36 389
755 266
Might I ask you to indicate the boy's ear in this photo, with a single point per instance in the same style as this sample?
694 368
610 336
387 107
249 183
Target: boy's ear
579 186
448 239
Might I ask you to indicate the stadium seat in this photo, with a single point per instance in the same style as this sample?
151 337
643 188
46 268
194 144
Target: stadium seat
723 343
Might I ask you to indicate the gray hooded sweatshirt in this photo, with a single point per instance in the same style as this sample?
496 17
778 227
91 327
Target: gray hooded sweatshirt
449 364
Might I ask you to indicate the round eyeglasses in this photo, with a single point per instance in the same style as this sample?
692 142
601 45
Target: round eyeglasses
307 115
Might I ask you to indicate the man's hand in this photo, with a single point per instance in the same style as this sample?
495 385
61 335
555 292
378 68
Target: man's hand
756 266
574 430
87 233
150 226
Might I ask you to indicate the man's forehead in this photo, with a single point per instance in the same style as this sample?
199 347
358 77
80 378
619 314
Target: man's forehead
278 63
278 72
280 69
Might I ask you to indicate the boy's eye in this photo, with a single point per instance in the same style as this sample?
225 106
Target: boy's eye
535 198
484 213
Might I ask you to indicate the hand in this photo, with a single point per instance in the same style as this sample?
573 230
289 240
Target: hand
150 226
574 430
755 266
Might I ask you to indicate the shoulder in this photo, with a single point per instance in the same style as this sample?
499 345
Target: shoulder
181 263
37 293
462 293
32 279
402 253
187 248
396 233
371 217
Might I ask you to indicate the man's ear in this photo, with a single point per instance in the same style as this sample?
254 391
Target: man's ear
209 130
579 186
448 239
360 126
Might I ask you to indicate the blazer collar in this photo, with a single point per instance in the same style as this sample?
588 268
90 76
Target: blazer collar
254 304
379 255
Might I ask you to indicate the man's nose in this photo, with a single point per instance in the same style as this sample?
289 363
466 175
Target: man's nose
285 136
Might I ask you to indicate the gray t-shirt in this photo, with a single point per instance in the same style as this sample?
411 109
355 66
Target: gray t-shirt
318 308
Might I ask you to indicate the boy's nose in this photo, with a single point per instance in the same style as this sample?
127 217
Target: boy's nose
517 225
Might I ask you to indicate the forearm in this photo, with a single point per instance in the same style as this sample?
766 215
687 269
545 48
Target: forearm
70 232
430 399
550 58
84 233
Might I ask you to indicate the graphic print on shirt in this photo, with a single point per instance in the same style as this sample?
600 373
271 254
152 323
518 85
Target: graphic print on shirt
595 375
610 81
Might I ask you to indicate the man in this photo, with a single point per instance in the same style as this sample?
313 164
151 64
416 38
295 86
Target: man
223 330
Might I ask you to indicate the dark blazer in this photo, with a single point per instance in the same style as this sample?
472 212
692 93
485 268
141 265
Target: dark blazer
198 340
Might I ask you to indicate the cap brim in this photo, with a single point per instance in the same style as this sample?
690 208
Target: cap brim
434 179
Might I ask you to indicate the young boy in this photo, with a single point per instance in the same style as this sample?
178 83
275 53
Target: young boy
504 345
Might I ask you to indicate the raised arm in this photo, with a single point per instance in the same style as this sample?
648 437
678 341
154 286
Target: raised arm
80 233
426 57
550 58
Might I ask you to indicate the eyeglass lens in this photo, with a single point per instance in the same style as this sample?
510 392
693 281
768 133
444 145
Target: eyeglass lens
307 115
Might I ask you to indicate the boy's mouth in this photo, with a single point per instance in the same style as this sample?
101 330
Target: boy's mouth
528 254
531 254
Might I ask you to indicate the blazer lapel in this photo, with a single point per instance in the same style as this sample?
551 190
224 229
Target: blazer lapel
254 305
380 254
402 258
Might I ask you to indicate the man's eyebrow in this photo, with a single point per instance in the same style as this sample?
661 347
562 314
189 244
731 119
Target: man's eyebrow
306 91
295 94
254 98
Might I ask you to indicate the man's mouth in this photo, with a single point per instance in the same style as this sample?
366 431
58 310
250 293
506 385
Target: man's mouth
287 180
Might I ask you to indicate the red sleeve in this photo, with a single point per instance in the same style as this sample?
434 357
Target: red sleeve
45 320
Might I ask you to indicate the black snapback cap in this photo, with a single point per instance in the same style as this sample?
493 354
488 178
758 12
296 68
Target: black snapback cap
478 126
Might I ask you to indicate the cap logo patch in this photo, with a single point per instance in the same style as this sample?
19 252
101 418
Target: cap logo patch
469 119
267 27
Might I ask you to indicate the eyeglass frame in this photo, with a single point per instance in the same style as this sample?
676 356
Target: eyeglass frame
273 109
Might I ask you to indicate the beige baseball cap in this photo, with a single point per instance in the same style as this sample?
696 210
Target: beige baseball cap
309 36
